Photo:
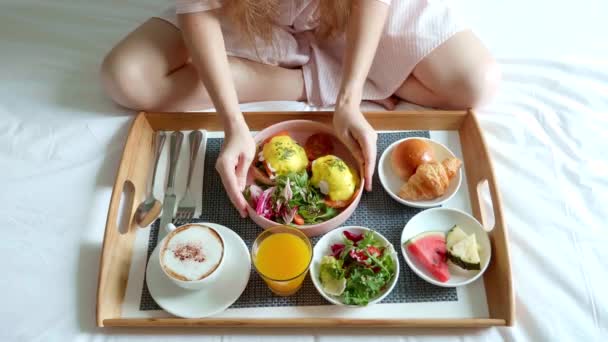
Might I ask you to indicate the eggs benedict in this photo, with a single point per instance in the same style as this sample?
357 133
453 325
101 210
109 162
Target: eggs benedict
282 155
334 178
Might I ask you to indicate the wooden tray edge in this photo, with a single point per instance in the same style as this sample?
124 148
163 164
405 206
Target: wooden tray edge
416 120
427 120
111 287
498 276
305 322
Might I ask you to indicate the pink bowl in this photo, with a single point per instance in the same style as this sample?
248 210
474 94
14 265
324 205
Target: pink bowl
300 130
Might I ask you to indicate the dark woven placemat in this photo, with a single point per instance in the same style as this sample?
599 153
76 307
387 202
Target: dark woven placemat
376 210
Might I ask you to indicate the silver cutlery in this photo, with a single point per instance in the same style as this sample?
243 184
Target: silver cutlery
170 198
187 205
149 210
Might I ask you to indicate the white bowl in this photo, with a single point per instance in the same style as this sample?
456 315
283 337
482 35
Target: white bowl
392 182
322 248
442 220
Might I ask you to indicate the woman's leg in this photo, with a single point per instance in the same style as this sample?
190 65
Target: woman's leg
150 70
459 74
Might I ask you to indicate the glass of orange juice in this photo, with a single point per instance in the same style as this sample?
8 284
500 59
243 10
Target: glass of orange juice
282 256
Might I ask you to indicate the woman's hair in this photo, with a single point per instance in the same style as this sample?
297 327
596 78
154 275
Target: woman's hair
256 18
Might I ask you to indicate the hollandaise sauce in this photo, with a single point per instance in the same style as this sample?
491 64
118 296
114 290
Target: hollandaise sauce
334 178
284 155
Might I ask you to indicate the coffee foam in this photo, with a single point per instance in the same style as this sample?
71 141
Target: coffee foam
192 253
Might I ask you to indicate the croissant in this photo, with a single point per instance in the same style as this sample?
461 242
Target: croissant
430 181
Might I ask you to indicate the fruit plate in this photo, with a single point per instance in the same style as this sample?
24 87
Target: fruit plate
122 252
441 220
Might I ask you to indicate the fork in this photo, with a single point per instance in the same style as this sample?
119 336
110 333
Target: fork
187 205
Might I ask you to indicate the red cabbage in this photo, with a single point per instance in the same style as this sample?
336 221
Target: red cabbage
353 237
336 249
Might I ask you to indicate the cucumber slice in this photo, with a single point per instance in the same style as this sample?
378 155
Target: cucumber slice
454 235
333 286
465 253
332 276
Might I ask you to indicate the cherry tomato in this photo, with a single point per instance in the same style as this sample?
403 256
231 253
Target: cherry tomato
341 204
335 204
373 251
318 145
361 257
298 219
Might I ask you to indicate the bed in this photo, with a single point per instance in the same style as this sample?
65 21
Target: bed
61 140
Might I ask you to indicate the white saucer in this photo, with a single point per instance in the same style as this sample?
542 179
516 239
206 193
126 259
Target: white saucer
225 289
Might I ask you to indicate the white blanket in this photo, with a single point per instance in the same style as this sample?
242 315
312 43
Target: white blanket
61 140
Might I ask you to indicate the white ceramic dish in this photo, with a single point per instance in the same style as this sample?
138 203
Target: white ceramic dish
192 284
217 295
322 248
442 220
392 182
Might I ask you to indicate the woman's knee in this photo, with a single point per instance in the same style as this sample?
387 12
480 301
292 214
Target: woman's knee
461 72
122 79
473 86
131 78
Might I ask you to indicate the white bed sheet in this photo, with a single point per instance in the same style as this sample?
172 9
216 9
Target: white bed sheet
60 144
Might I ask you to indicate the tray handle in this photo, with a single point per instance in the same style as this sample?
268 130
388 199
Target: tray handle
479 172
485 203
115 260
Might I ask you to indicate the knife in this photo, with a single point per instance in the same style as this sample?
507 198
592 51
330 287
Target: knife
170 197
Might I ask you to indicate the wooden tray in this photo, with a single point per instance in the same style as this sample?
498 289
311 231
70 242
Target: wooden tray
137 161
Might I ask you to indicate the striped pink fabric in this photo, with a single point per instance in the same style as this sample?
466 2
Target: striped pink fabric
189 6
413 29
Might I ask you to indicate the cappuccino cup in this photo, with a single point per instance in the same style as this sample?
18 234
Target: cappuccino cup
192 255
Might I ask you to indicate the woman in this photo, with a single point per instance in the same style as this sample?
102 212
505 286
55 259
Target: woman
326 52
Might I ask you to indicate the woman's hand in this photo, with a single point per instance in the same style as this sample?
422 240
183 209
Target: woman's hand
234 160
363 32
203 36
354 130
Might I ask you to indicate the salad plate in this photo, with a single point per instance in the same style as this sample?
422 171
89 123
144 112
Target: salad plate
354 266
309 207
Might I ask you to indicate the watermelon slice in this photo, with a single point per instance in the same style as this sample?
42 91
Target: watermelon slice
429 250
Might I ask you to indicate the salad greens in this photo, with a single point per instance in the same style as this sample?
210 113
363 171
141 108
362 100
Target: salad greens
358 269
291 198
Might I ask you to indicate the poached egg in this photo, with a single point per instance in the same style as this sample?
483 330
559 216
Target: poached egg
283 155
334 178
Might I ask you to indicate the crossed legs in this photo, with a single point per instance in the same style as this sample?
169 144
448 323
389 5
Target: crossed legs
150 70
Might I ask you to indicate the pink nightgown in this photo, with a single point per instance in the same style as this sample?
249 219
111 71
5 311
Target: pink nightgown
413 29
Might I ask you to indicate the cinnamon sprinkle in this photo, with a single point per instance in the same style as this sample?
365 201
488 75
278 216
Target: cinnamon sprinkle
189 252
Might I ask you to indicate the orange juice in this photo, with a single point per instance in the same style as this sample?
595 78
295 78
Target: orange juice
282 259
